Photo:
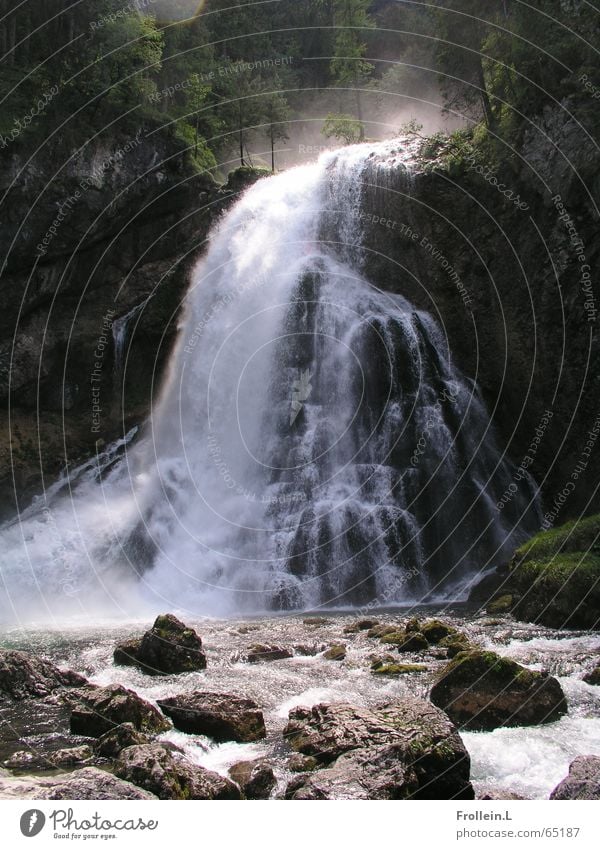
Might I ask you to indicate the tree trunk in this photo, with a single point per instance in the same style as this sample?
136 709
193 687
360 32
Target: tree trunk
485 98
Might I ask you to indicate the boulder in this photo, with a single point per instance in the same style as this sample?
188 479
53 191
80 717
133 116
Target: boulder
435 631
455 644
302 763
256 779
25 676
406 641
479 690
99 709
361 625
316 621
87 783
218 715
593 677
378 631
335 652
110 744
582 782
168 648
169 775
259 653
406 749
75 756
309 649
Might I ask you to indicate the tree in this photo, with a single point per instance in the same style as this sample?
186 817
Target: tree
345 128
348 66
277 113
462 27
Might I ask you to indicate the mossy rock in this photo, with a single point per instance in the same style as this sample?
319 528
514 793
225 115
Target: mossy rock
411 642
336 652
455 644
479 690
435 631
379 631
503 604
562 592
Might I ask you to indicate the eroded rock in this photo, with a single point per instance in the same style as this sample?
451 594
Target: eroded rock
99 709
218 715
168 775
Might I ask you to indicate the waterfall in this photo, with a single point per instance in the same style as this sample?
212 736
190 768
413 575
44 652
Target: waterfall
313 444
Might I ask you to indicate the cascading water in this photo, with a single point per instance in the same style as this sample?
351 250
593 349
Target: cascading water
313 445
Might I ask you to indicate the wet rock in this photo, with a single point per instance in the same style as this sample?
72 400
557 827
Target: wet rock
395 669
335 652
87 783
316 620
25 676
218 715
480 690
490 794
259 653
302 763
435 631
99 709
109 745
582 782
169 775
64 758
455 644
309 650
502 604
361 625
407 749
593 677
378 631
411 641
168 648
256 779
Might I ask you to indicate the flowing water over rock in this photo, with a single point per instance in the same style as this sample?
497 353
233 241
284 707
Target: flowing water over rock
529 761
314 445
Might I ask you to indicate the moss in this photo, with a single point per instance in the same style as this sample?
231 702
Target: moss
337 652
503 604
563 591
475 663
579 535
435 631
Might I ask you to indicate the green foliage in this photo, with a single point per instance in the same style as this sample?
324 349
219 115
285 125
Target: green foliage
344 128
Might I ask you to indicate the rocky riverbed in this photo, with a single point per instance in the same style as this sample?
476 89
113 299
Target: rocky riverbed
370 675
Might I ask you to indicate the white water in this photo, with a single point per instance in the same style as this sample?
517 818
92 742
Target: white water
314 445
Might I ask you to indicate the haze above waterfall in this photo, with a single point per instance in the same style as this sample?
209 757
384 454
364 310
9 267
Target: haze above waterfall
313 444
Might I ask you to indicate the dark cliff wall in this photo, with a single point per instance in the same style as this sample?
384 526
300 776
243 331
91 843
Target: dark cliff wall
515 290
85 241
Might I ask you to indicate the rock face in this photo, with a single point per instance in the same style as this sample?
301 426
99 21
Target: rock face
25 676
255 778
168 775
582 782
168 648
88 783
480 690
218 715
99 709
404 750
